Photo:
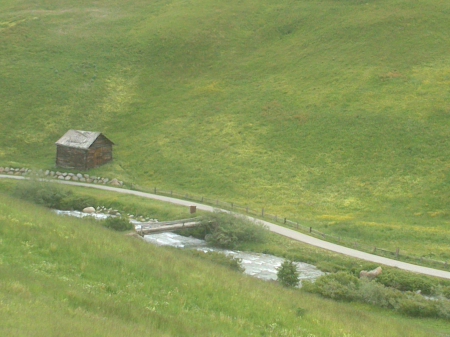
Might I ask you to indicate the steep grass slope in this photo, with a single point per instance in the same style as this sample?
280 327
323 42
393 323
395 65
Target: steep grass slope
65 276
335 112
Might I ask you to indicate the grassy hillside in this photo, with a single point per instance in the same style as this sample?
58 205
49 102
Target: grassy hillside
333 112
73 277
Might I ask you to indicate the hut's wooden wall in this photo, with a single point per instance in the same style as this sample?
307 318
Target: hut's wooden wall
71 158
99 153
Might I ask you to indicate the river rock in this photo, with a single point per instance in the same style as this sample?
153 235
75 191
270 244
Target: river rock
371 274
89 210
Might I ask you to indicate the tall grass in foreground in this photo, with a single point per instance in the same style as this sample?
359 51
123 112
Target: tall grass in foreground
61 274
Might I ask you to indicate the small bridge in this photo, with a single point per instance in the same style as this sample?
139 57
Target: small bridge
167 226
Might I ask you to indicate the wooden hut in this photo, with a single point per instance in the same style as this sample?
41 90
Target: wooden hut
83 150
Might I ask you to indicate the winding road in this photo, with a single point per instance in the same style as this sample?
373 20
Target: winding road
273 228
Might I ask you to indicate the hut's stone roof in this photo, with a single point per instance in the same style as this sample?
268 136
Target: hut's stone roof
78 139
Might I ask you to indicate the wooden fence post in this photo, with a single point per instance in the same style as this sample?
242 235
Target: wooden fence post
374 249
310 229
284 221
397 253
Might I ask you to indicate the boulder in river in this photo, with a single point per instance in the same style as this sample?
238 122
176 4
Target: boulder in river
372 274
89 210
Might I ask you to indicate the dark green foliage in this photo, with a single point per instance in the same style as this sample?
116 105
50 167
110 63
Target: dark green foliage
77 202
446 291
407 282
419 307
376 294
288 274
118 223
338 286
227 231
346 287
42 193
219 258
52 195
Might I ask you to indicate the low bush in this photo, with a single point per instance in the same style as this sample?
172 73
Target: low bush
377 294
118 223
346 287
445 291
416 307
77 202
227 231
42 193
407 282
288 274
339 286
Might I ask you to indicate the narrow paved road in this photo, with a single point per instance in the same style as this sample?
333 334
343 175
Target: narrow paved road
274 228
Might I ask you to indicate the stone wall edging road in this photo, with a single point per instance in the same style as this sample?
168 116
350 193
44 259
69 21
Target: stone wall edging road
272 227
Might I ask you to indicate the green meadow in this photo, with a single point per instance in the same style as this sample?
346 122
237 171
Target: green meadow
332 113
72 277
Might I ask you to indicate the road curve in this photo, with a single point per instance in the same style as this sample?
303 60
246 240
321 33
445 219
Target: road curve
273 228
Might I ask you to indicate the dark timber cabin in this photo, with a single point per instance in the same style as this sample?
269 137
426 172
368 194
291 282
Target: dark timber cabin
83 150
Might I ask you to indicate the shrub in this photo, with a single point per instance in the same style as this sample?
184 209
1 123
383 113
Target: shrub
118 223
377 294
406 282
227 231
344 286
42 193
446 291
338 286
417 306
288 274
77 202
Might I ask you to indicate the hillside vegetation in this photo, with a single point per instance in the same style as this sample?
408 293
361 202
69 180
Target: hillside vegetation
334 113
73 277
